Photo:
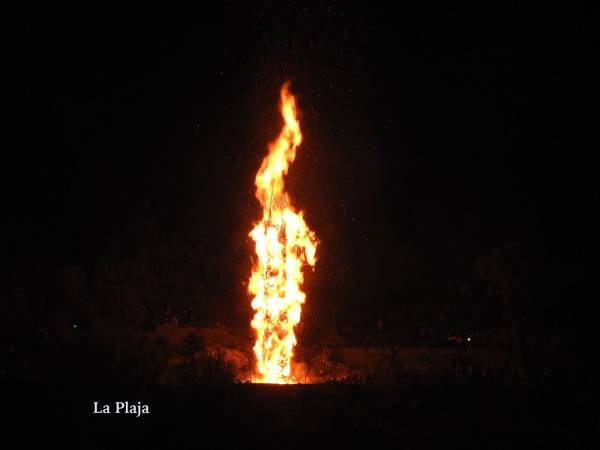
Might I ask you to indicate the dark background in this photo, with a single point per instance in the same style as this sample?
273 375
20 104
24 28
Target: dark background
444 169
432 137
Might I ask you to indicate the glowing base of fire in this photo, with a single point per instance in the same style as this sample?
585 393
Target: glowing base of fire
300 376
257 379
287 383
261 381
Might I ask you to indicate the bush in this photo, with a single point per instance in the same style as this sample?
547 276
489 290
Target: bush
201 366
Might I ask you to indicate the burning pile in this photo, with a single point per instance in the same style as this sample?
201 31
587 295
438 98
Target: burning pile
284 244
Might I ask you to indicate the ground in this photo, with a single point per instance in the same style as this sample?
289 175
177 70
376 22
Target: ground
302 416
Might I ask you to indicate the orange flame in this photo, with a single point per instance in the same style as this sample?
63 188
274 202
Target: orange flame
284 244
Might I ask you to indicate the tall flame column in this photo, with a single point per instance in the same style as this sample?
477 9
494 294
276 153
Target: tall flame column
284 245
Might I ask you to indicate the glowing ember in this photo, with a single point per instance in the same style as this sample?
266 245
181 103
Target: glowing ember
284 244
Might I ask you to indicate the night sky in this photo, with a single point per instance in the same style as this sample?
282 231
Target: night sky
432 136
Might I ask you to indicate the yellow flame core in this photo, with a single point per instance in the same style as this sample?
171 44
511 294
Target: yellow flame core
284 244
